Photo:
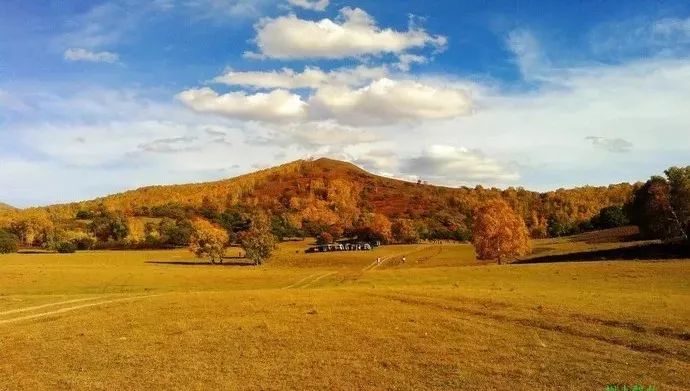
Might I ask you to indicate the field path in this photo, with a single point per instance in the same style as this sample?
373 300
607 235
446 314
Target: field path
573 330
312 282
309 280
38 307
301 281
68 309
374 265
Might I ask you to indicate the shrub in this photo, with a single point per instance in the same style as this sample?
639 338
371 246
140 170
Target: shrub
610 217
85 215
8 243
109 226
66 247
84 242
324 238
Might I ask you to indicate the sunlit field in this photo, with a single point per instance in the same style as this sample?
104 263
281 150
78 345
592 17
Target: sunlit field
441 320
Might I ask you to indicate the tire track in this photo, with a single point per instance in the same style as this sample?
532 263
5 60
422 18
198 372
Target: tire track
309 280
38 307
69 309
637 346
318 279
301 281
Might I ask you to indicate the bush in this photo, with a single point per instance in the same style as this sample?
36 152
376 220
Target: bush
85 215
610 217
8 243
324 238
66 247
84 242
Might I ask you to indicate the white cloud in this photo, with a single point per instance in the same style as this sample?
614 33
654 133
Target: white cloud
353 34
406 60
79 54
326 135
337 96
226 9
528 54
277 105
315 5
387 101
10 102
384 161
310 77
118 142
673 28
617 145
457 166
667 37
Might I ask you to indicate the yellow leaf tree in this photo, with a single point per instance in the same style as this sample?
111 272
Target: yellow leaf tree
499 233
208 240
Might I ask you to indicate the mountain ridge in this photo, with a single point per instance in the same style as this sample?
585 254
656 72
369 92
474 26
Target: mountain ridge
326 192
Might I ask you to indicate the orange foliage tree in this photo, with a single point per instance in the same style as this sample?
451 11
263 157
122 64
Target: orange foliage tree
208 240
404 231
381 226
499 233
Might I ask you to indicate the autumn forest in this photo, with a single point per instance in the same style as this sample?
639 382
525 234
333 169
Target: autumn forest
330 200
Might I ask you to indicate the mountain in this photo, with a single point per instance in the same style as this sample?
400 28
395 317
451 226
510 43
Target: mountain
326 192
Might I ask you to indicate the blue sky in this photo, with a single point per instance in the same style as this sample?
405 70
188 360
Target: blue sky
102 96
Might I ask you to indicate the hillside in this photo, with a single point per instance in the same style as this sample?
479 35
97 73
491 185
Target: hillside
327 192
4 206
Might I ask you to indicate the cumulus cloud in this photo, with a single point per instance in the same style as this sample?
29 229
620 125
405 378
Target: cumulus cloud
387 101
328 133
315 5
406 60
384 161
336 96
458 166
79 54
310 77
354 33
276 105
617 145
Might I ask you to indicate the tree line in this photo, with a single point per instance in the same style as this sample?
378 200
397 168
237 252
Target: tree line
333 201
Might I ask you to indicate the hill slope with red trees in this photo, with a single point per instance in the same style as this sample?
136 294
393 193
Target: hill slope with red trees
316 195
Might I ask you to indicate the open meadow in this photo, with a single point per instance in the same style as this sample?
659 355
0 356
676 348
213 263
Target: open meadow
441 320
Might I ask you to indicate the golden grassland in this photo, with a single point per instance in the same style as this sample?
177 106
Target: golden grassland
441 320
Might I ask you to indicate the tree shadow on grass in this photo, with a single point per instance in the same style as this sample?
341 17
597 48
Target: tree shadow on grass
642 252
204 263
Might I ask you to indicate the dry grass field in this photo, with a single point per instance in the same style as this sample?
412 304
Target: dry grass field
162 320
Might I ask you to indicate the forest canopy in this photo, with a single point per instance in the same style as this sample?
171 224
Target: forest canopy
326 198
